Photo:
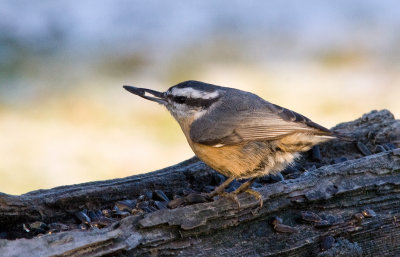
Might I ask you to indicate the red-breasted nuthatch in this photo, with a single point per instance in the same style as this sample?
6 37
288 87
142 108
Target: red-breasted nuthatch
237 133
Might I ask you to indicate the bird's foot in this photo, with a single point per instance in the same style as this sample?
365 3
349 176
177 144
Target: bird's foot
256 194
232 196
219 191
201 198
245 188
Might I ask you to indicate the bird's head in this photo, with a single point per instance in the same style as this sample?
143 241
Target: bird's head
188 100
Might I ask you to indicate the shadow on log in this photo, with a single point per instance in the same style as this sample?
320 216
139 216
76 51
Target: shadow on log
346 202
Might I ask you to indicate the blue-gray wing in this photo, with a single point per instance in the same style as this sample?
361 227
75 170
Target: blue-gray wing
252 119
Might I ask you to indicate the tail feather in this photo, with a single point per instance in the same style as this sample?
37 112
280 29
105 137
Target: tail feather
343 137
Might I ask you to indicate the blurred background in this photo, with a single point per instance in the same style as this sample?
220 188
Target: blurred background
64 117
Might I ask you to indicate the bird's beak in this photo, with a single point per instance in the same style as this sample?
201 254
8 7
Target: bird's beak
156 96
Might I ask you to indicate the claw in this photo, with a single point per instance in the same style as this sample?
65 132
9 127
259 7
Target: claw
234 196
231 196
256 194
245 188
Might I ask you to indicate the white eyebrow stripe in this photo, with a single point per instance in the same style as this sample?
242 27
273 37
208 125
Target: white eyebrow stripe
193 93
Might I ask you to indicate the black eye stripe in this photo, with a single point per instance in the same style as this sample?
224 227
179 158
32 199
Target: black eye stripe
196 102
179 99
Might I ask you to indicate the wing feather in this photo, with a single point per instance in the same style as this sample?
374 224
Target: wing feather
254 119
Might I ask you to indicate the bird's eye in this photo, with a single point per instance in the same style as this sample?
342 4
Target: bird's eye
180 99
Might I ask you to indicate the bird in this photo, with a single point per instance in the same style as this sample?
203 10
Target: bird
237 133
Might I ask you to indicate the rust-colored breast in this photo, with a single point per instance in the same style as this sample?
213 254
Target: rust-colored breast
231 161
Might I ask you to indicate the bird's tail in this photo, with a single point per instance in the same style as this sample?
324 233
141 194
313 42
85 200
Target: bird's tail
343 137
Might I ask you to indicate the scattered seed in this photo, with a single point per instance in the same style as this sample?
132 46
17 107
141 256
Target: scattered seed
102 222
276 220
160 205
358 216
83 217
379 149
38 227
125 205
93 215
94 224
148 194
83 226
316 153
26 228
389 146
368 213
56 226
145 206
332 219
310 216
195 198
363 148
136 211
122 214
152 208
99 213
160 195
339 160
142 205
285 228
189 199
141 198
107 213
327 243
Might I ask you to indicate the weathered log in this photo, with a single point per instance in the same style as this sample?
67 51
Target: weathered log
335 194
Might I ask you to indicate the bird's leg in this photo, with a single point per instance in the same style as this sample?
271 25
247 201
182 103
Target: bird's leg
200 198
245 188
233 195
221 188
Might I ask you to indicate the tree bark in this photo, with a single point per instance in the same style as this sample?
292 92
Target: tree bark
354 208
